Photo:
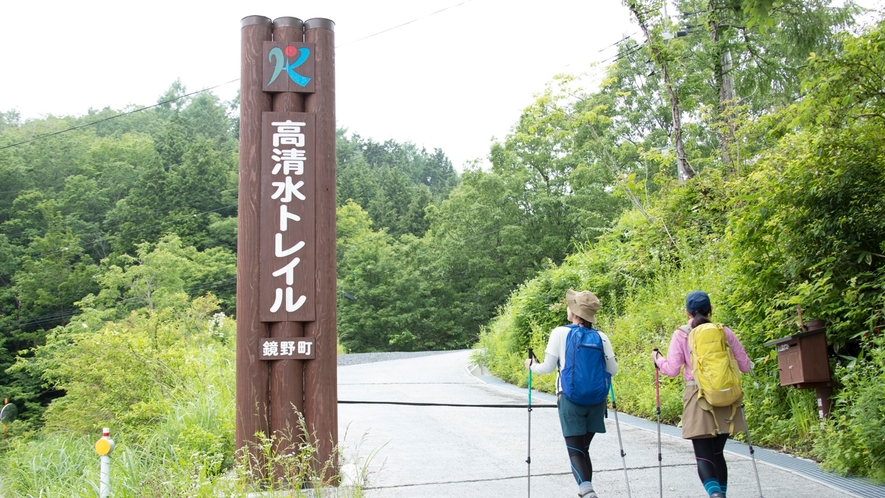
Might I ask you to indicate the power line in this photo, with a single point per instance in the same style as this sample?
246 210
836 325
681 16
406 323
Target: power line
452 405
109 118
55 318
102 238
403 24
622 40
629 51
68 314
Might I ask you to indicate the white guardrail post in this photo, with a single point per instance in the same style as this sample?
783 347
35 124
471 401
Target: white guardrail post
104 447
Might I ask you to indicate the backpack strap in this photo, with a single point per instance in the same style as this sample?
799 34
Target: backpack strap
687 330
734 409
703 405
706 407
560 361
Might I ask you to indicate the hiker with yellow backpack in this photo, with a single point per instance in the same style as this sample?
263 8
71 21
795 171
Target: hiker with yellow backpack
713 359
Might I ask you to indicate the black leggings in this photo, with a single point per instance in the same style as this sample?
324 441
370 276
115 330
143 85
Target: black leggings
578 453
711 462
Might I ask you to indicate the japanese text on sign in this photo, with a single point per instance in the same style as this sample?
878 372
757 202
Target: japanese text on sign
287 205
297 348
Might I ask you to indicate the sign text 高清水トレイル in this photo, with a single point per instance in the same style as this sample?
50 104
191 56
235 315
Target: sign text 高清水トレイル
287 231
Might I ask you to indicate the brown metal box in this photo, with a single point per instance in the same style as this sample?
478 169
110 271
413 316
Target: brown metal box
802 358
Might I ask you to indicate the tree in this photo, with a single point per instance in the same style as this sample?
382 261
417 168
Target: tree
480 248
160 273
810 225
129 372
543 197
54 274
392 298
394 182
10 118
13 174
647 15
26 221
729 60
365 272
178 199
807 229
118 162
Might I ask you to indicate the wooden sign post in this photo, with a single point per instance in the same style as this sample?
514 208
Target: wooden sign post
286 274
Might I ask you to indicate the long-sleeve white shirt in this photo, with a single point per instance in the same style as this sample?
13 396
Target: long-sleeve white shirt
555 353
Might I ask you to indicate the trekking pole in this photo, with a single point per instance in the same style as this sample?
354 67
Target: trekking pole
752 451
658 411
529 459
620 444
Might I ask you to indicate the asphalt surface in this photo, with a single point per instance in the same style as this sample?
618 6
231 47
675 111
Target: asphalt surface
399 442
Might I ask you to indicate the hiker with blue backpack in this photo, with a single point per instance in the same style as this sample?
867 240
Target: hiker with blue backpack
712 359
586 364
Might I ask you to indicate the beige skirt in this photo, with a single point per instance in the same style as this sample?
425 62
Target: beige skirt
698 423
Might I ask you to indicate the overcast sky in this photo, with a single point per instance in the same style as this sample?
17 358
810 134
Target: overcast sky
448 74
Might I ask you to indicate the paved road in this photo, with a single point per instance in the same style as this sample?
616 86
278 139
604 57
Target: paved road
457 452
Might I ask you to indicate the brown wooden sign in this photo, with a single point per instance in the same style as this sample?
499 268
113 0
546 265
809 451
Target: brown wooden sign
289 67
296 348
288 210
286 273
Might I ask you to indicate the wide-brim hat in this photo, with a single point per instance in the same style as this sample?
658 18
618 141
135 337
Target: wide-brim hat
584 304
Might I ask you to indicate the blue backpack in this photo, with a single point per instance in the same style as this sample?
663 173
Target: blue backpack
584 380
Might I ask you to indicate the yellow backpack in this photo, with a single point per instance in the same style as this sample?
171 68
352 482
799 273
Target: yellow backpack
715 370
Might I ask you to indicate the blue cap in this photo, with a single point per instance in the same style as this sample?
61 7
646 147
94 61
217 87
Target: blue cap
698 301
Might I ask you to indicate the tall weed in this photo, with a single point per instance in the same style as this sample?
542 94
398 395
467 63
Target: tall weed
852 441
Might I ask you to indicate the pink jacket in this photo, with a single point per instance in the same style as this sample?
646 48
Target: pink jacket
678 355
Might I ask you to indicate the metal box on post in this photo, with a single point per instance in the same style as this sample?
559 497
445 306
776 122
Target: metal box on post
802 358
802 362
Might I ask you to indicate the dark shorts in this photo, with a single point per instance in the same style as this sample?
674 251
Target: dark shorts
577 420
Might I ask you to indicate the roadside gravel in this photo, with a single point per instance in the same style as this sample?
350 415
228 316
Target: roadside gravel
358 358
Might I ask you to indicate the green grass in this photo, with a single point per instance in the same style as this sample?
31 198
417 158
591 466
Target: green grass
65 464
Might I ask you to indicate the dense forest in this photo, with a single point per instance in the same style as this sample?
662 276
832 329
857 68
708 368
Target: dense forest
740 150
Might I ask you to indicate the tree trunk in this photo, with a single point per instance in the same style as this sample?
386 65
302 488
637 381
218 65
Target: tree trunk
725 83
684 169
